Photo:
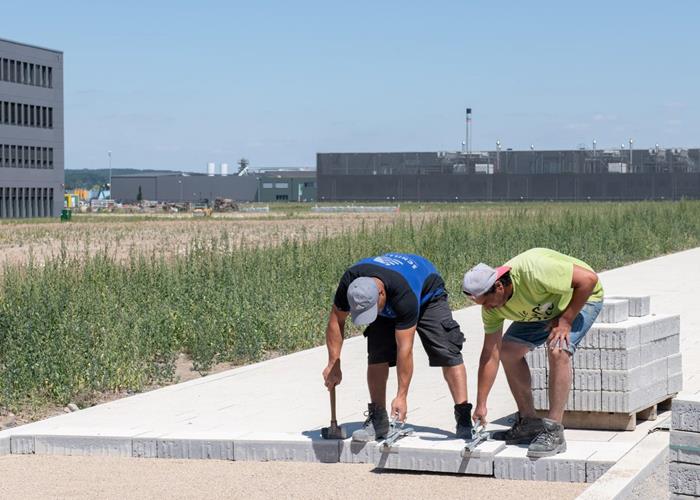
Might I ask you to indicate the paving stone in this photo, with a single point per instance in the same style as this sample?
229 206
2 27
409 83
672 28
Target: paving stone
684 447
82 445
605 456
639 305
537 358
620 359
614 311
676 496
195 449
587 380
666 325
587 359
623 335
286 447
22 445
5 447
684 478
590 340
623 380
540 399
686 413
674 344
538 378
144 448
588 400
354 452
570 466
440 455
675 383
675 364
627 402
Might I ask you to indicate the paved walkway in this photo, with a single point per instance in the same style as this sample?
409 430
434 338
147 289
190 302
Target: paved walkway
274 410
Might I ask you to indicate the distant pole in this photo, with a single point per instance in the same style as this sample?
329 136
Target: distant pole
498 155
109 159
595 161
631 142
534 162
469 137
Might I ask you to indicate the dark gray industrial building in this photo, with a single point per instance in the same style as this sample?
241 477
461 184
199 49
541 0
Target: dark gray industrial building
168 187
31 131
286 185
620 174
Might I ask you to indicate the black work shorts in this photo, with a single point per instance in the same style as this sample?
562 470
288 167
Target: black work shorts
439 333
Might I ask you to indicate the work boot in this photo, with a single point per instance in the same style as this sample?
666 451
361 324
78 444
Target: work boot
375 427
524 431
549 442
463 416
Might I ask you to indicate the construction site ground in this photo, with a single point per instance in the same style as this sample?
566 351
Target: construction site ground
275 409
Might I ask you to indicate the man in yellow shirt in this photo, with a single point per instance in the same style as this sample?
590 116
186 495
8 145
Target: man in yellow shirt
552 298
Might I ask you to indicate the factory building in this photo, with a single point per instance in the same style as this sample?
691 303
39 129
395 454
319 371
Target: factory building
31 131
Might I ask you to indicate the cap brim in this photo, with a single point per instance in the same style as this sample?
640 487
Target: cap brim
365 317
500 271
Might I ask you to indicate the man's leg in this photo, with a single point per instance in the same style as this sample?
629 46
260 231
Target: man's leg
559 382
377 375
518 376
456 378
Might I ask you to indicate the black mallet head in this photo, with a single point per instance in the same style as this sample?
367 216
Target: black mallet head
335 431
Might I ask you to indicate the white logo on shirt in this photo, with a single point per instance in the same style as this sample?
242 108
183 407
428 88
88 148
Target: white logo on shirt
388 261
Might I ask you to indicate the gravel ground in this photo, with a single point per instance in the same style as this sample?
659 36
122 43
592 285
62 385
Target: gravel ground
32 476
655 486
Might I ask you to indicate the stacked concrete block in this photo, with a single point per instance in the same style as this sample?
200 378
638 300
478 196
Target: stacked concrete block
628 361
684 447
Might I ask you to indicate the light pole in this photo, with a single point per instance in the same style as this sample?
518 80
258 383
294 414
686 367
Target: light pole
498 155
109 159
534 163
631 142
595 166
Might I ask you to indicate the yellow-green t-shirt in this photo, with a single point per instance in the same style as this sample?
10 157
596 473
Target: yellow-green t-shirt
541 288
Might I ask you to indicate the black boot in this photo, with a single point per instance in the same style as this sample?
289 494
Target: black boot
463 416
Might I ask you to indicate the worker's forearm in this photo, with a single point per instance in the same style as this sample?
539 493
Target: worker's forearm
578 300
488 369
404 371
334 340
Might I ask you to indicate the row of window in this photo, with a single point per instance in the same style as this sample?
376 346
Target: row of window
26 115
277 185
25 73
14 156
21 202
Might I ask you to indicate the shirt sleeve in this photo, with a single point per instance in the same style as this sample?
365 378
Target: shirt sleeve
341 293
554 275
406 309
493 322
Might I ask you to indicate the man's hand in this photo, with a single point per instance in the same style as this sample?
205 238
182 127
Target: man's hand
399 409
332 375
479 415
559 331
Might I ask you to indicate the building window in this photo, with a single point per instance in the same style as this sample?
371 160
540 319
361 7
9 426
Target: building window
282 197
282 185
267 185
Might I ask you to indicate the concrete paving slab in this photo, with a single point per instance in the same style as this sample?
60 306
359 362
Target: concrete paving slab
686 413
266 446
684 479
605 456
570 466
639 305
5 447
83 445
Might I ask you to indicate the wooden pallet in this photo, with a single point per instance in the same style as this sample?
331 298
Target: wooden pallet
611 421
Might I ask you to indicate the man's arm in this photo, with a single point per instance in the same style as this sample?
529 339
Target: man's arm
334 342
404 371
583 281
488 369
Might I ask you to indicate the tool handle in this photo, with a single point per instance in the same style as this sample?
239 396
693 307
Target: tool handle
333 419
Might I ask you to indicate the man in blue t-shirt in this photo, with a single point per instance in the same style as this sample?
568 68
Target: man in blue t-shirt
397 295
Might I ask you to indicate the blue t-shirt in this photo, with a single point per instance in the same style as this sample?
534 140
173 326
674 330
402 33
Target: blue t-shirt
410 281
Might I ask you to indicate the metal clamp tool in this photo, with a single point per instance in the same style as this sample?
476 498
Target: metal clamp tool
479 435
396 432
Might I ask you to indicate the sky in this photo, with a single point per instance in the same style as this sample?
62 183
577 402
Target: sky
174 85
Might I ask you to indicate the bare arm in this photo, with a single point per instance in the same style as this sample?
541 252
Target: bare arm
404 371
335 331
583 281
488 369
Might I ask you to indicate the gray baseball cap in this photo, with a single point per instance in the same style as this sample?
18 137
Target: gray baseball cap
480 278
363 296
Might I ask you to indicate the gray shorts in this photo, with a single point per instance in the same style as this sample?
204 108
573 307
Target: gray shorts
439 333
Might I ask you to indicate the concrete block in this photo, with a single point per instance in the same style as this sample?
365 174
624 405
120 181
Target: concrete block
605 456
5 447
622 335
675 364
587 380
83 446
590 340
264 447
685 413
216 449
537 358
614 311
620 359
415 453
684 479
22 445
623 380
538 378
144 448
354 452
651 351
639 305
541 400
587 359
570 466
627 402
674 344
588 400
666 325
675 383
685 447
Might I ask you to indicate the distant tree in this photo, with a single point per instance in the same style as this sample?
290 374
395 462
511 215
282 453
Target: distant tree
139 196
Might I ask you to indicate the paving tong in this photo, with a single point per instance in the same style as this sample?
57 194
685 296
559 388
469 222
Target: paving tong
479 435
396 432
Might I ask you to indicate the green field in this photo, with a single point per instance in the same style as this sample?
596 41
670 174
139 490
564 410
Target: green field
71 328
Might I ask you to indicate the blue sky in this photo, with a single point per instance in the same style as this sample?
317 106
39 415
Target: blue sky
176 84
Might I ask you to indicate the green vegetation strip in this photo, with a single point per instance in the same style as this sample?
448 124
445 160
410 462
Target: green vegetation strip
72 328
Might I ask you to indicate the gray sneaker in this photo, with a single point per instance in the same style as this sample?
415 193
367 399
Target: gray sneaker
524 431
549 442
463 417
375 427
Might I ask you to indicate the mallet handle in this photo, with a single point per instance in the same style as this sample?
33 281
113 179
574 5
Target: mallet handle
333 404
